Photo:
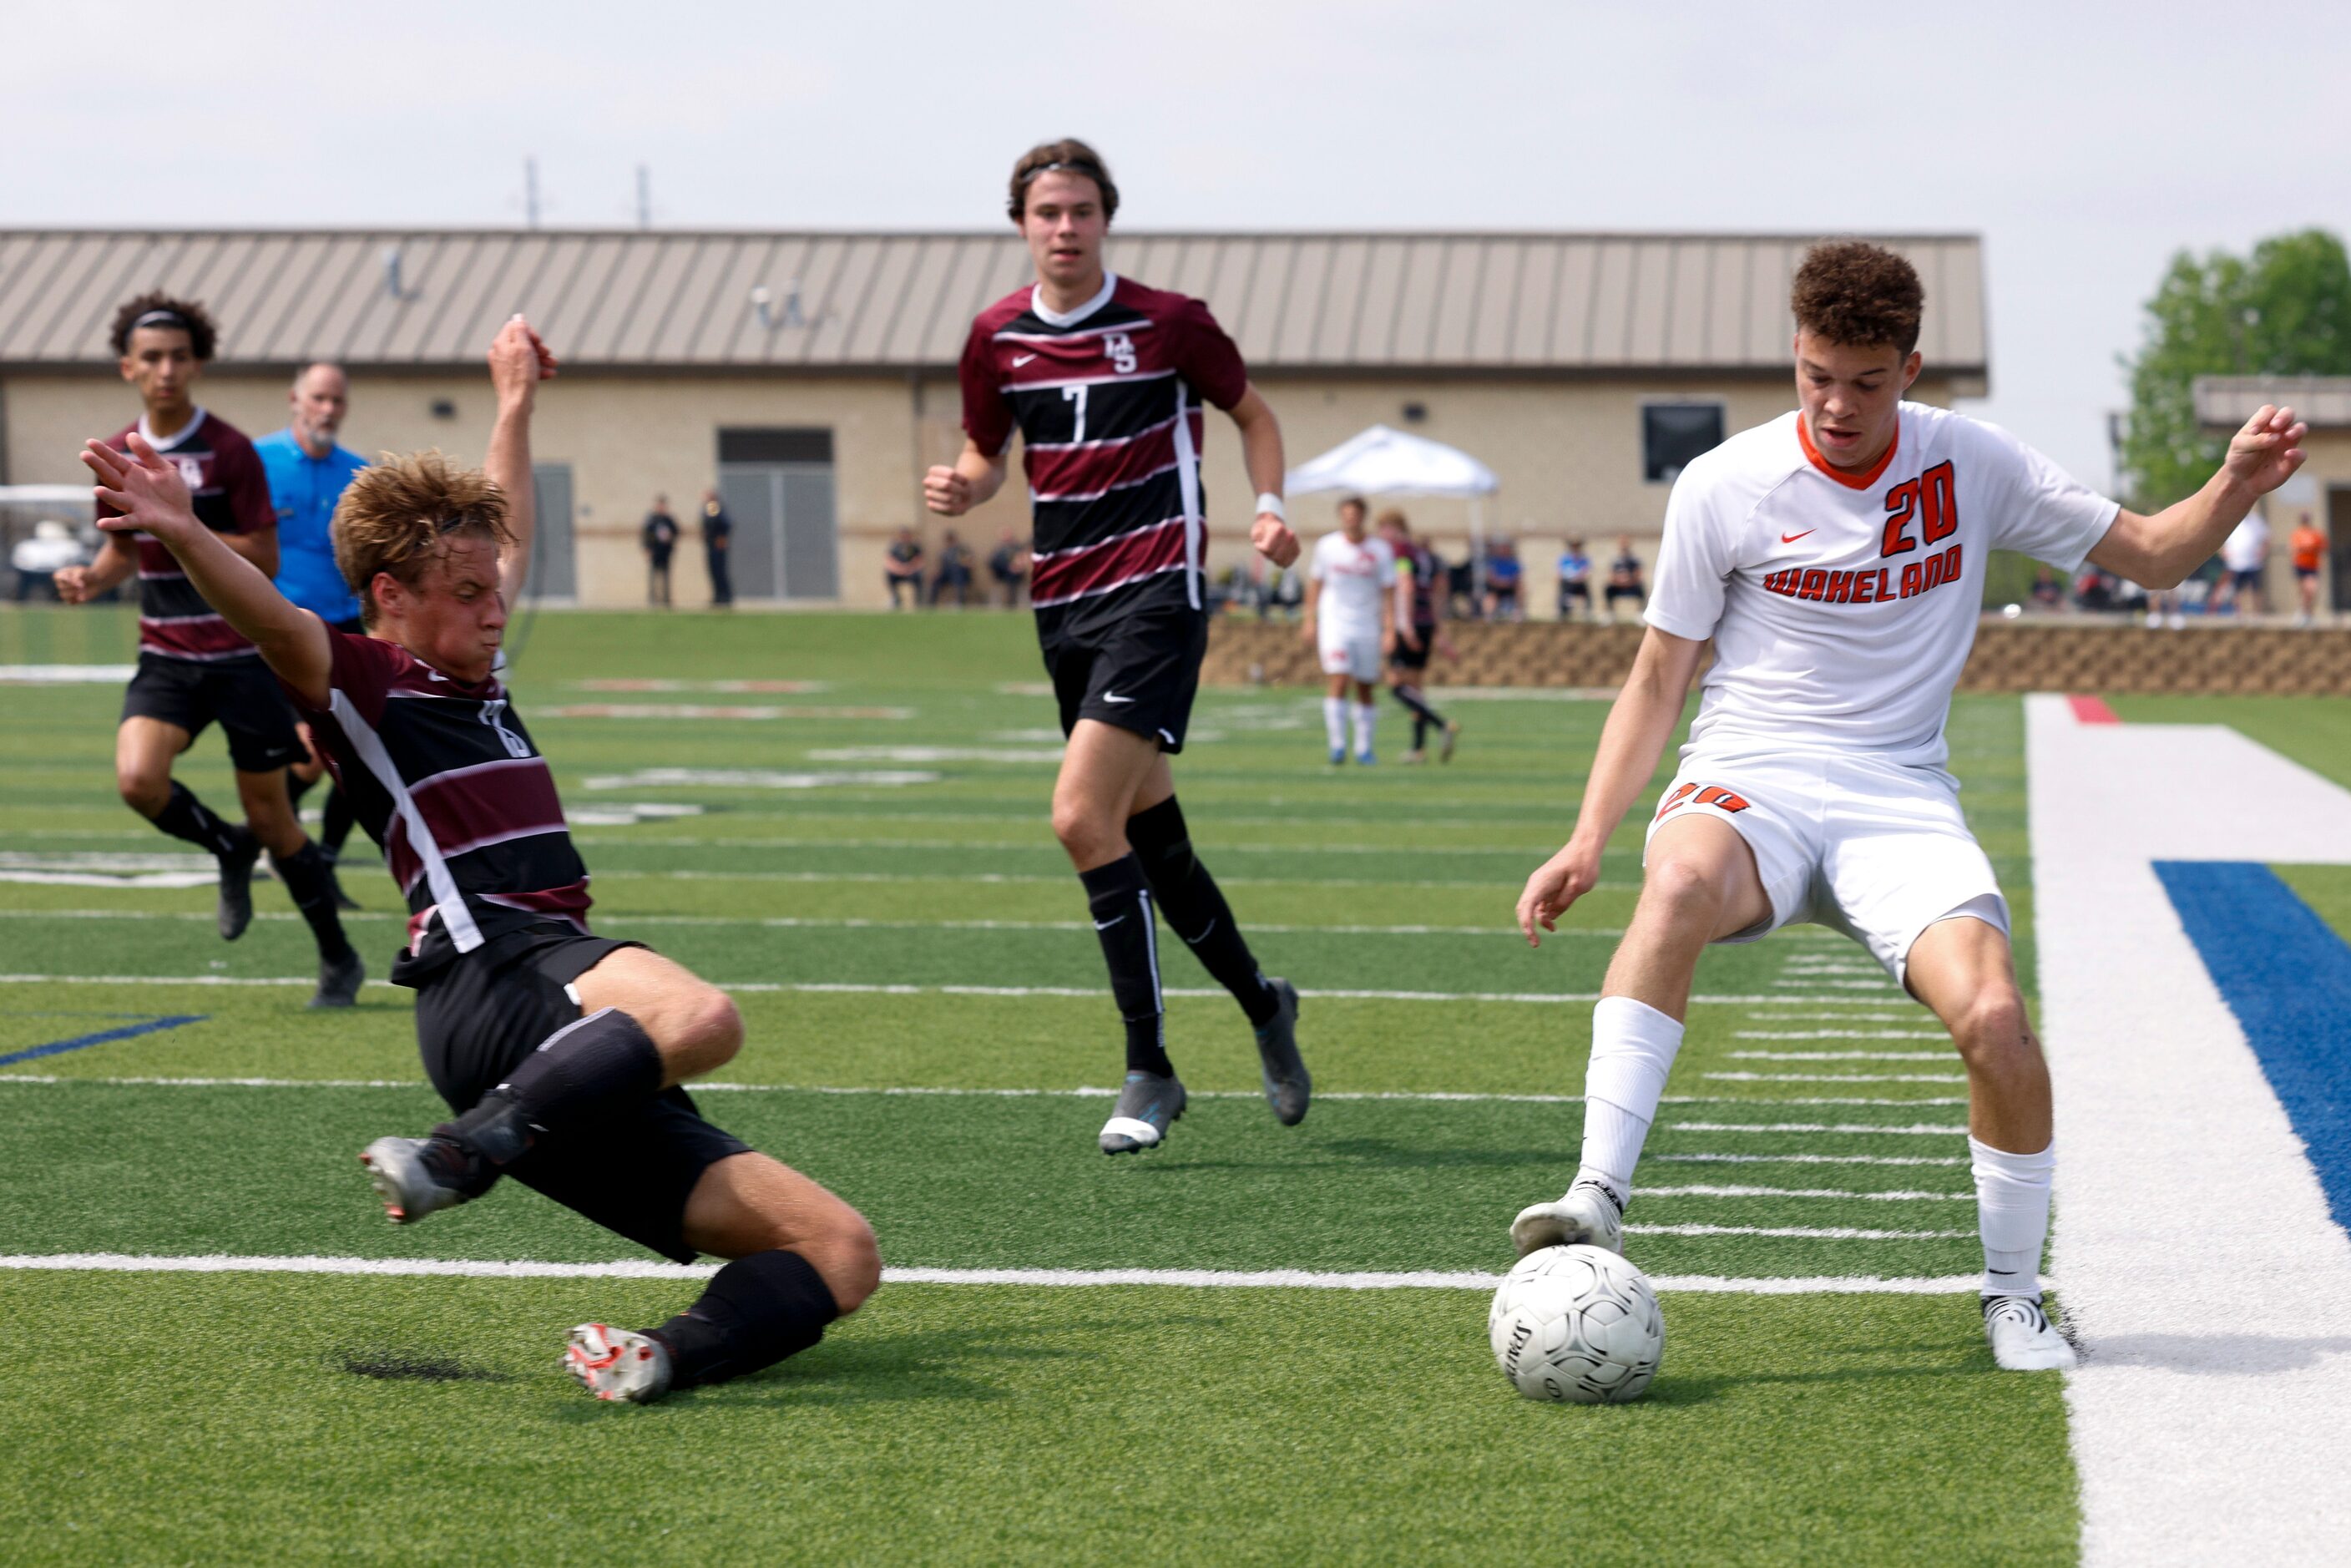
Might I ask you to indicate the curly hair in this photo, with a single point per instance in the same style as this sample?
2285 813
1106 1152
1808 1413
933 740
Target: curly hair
1861 295
1069 156
203 337
397 514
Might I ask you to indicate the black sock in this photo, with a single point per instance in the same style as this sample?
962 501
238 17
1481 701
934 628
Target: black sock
1421 712
755 1312
309 878
185 817
583 1074
1196 907
1120 900
337 827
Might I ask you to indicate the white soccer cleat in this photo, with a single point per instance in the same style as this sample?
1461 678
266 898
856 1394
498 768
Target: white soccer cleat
1588 1215
2023 1337
617 1363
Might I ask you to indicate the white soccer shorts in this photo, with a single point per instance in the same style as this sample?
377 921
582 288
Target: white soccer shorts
1354 655
1872 849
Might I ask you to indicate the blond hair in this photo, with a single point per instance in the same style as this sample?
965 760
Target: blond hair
398 511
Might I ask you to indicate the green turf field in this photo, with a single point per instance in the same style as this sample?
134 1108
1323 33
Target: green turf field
869 868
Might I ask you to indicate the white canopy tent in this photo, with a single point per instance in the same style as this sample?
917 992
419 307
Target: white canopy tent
1383 461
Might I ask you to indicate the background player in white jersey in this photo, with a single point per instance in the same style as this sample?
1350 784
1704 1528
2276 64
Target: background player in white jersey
1350 621
1835 558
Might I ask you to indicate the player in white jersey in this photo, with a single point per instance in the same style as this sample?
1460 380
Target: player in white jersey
1350 621
1835 558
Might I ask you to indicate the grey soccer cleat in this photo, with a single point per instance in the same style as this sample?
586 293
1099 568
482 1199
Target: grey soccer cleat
1147 1106
1287 1084
2023 1338
236 912
619 1364
339 983
1589 1216
417 1176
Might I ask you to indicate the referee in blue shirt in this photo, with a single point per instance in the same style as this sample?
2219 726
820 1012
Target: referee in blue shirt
308 472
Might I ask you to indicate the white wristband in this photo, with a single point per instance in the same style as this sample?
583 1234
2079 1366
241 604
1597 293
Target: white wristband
1271 503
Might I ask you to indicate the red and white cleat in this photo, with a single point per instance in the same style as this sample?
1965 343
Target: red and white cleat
617 1363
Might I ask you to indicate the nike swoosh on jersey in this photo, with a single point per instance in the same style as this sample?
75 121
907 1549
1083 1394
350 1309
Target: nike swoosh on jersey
1114 699
1792 539
1106 925
1020 360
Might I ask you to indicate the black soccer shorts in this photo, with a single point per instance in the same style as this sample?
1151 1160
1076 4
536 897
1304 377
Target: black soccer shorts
1141 672
241 693
1405 656
479 1016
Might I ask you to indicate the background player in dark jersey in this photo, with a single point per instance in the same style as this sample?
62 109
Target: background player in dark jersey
195 667
561 1051
1104 379
1420 593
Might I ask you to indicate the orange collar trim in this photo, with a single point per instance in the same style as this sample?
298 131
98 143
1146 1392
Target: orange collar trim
1846 478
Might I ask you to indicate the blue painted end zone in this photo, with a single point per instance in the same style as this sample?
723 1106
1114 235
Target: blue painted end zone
60 1047
2287 977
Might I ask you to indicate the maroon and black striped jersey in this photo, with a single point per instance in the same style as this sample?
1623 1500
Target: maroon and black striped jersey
230 492
444 776
1108 401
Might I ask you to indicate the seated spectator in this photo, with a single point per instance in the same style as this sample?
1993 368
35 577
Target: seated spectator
1008 563
2095 590
1461 601
38 559
1503 578
903 571
1624 579
1574 580
2048 593
955 571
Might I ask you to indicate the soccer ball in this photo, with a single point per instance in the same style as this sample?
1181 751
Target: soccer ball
1577 1323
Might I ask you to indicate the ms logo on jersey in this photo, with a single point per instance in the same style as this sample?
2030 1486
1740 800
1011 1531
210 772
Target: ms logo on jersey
492 713
1120 347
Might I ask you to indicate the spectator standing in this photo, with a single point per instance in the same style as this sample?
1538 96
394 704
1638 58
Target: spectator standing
308 470
955 571
661 542
1503 577
1008 563
2246 553
1574 580
904 568
717 539
2308 547
1624 579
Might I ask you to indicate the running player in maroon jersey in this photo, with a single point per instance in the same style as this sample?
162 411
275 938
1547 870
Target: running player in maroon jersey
562 1052
195 667
1104 380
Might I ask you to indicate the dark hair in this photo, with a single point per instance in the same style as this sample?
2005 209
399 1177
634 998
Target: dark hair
1069 156
1861 295
1357 502
166 311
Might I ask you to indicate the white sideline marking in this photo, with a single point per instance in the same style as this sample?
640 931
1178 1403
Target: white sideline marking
1897 1195
1837 1077
66 674
2197 1440
1210 1279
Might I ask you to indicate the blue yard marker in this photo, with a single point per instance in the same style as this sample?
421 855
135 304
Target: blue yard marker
60 1047
2287 977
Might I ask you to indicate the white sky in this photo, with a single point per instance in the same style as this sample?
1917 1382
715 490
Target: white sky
2083 143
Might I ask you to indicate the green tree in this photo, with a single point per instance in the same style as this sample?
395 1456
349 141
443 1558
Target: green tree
2286 310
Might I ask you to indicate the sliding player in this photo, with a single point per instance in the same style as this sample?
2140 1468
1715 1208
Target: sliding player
1419 631
195 667
562 1052
1104 379
1351 621
1835 557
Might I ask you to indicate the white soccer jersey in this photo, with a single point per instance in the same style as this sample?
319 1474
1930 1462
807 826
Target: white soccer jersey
1356 578
1843 605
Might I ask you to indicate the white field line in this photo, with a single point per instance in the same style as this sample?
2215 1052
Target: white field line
1879 985
1837 1077
725 1086
1772 1034
1044 843
1827 1192
1835 1055
1799 1232
1711 1158
1917 1129
2197 1439
1199 1279
844 988
1019 879
1911 1018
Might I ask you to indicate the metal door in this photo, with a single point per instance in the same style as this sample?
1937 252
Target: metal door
748 493
811 547
554 572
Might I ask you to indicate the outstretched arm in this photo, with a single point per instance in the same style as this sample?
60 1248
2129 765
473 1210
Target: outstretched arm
2159 551
1269 535
150 495
519 360
1631 742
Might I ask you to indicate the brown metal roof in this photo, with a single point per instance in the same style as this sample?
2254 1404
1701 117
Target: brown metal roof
2225 403
1559 302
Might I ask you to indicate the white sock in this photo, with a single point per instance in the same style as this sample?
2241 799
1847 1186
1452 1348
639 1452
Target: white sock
2012 1213
1366 715
1334 722
1632 1046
